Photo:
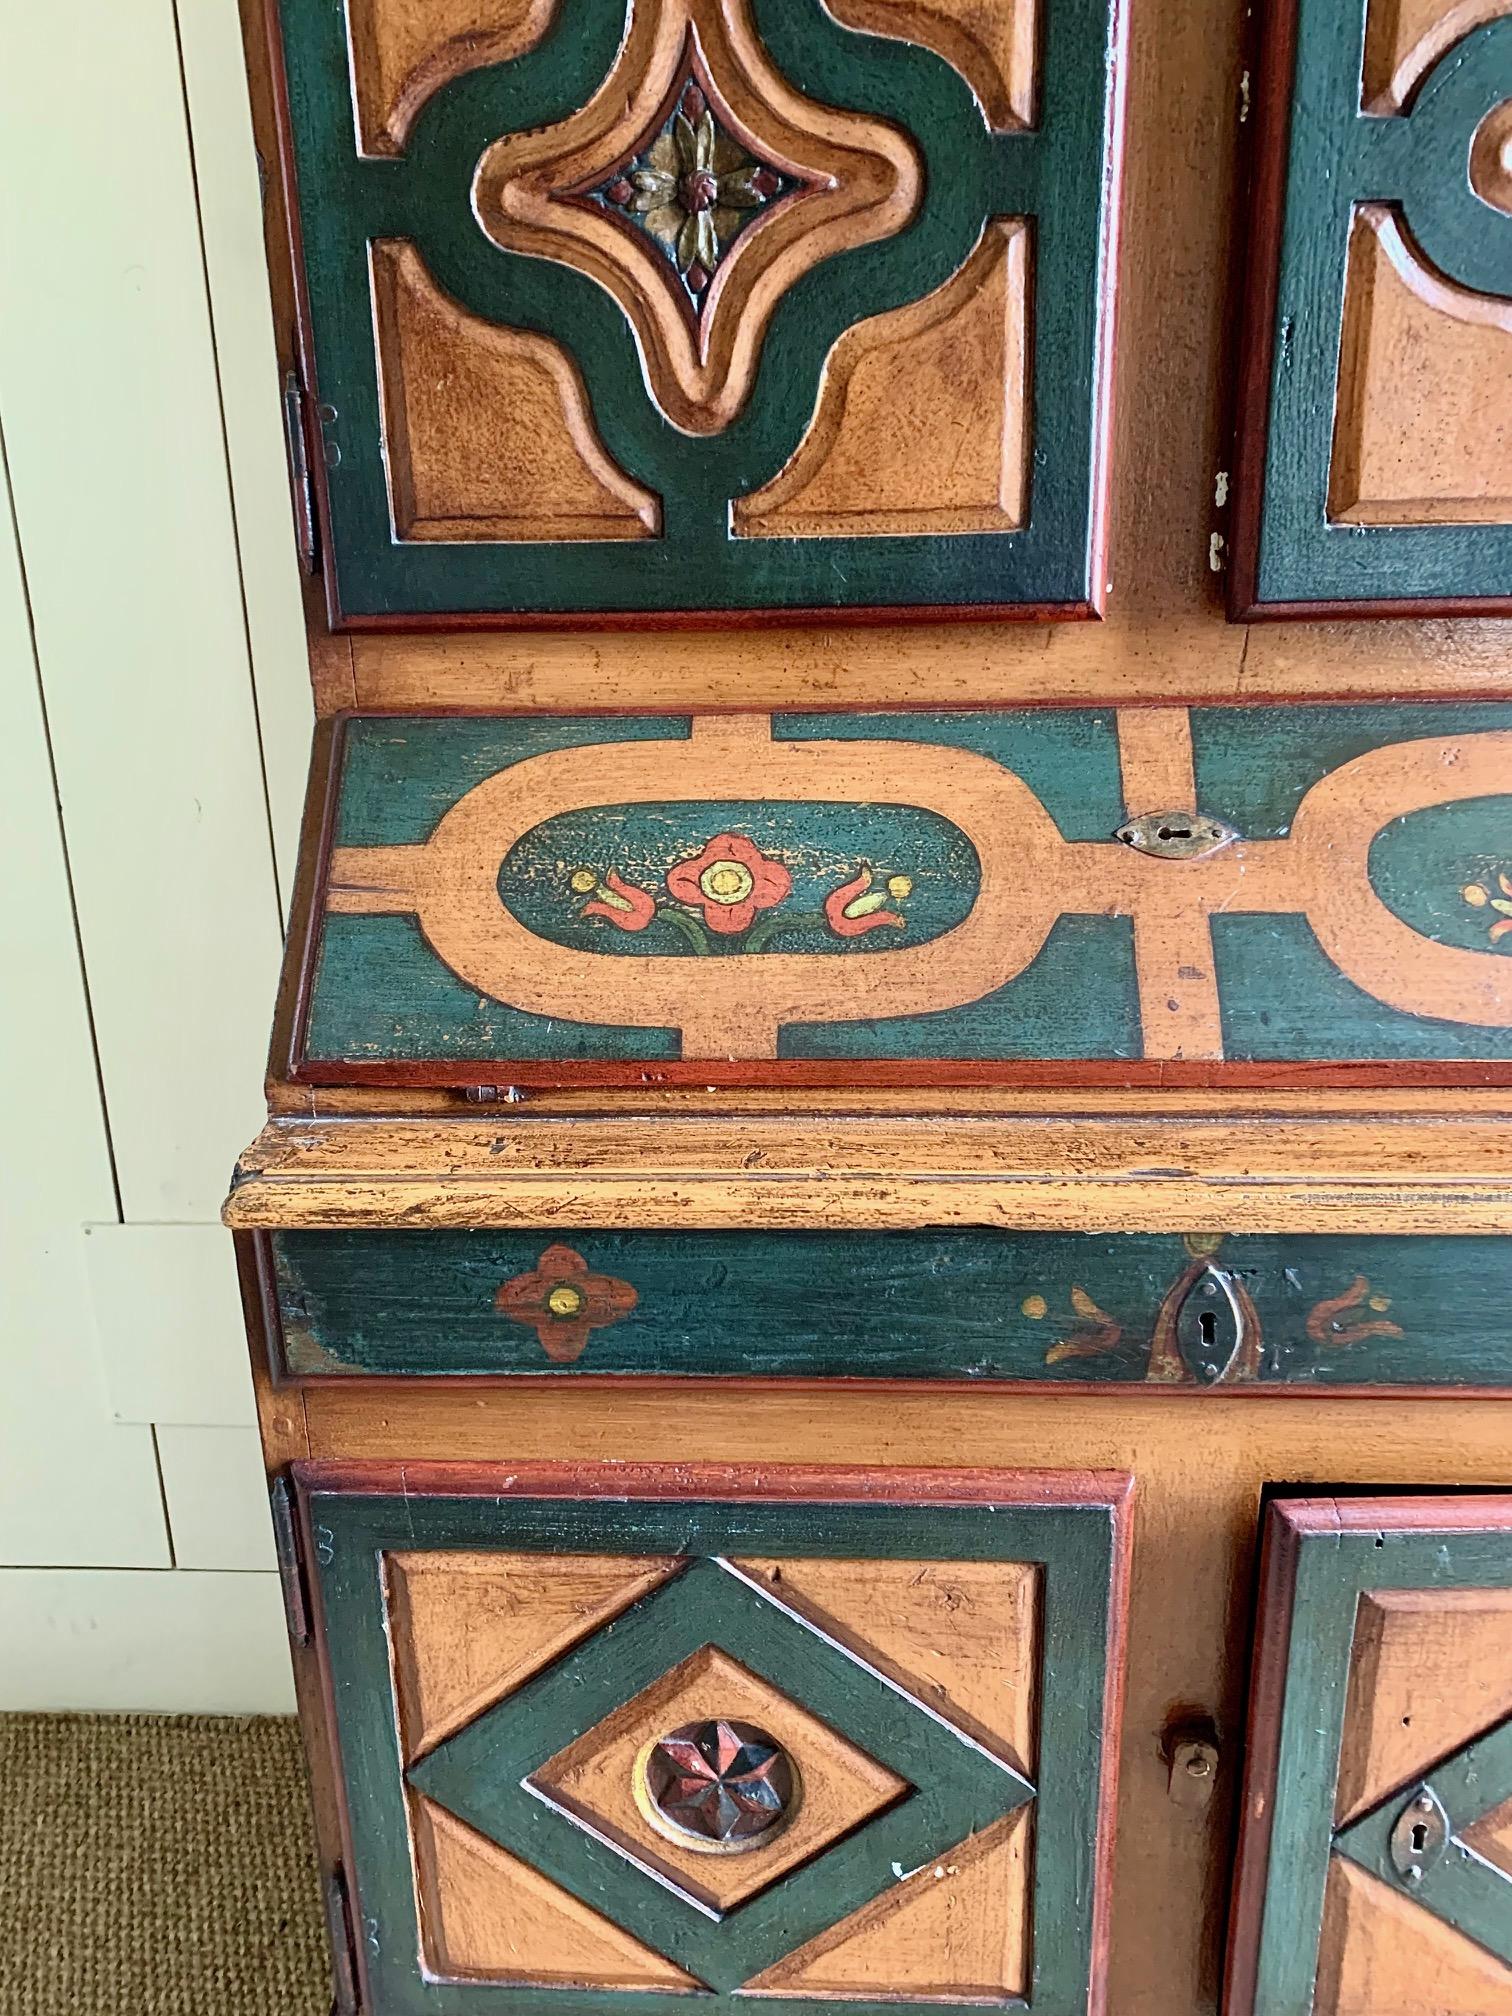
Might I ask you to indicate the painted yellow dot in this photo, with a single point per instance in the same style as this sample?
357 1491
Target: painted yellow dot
1034 1306
584 879
564 1301
1473 893
1380 1302
900 886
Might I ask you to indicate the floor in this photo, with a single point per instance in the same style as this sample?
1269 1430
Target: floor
157 1866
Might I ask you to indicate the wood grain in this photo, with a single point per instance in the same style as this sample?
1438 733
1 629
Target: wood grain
1382 1955
487 1916
488 430
403 50
468 1629
957 1930
962 1635
922 423
1421 436
1093 1171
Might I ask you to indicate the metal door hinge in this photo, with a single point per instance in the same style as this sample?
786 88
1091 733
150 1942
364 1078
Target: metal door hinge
301 481
291 1567
343 1942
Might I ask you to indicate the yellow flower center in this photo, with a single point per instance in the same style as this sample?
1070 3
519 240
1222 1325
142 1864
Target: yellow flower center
1474 894
583 880
900 886
727 882
565 1301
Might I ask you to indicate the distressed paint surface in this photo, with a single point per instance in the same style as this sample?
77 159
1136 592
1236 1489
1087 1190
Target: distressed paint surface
514 890
1338 156
1321 1312
1334 1569
1054 173
953 1785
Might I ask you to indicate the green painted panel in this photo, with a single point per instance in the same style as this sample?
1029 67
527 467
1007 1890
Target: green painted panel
953 1785
919 888
845 863
1076 998
1055 174
1447 871
1323 1312
1282 1000
1254 765
1336 157
1333 1570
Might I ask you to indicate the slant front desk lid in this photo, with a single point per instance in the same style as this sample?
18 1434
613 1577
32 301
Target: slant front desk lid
1088 896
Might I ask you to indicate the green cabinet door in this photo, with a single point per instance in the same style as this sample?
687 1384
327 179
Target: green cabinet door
1375 449
612 1737
1375 1874
714 306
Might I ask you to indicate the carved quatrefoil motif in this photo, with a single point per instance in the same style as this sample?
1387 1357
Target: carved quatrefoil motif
697 186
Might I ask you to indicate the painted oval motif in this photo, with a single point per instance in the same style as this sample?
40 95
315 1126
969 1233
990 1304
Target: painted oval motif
690 879
1446 870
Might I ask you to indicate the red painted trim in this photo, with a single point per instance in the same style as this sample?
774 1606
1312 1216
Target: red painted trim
1273 1628
1099 476
1312 612
1106 1828
866 616
410 1385
733 1483
1481 1512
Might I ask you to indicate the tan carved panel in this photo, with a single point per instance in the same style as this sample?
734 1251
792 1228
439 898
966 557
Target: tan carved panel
837 179
1423 427
488 428
402 50
922 423
1405 38
991 43
1382 1956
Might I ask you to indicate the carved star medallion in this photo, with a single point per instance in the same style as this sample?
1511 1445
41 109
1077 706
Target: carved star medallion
696 186
722 1781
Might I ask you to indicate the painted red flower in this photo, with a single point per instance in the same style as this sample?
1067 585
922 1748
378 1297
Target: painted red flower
729 881
856 907
562 1302
616 900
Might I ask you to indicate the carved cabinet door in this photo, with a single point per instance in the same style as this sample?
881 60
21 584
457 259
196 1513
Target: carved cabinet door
1376 427
611 1737
631 308
1375 1872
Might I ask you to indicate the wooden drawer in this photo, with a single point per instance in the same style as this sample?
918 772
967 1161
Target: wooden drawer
1204 1311
1080 896
1376 1856
529 1668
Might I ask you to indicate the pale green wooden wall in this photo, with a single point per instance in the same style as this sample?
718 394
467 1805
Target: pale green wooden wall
154 723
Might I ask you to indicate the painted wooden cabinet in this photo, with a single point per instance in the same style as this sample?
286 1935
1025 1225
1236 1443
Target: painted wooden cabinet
1376 1853
827 1182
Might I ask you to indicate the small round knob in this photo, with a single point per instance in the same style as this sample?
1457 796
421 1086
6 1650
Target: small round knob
719 1784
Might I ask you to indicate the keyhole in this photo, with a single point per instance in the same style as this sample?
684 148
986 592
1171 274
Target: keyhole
1207 1326
1174 833
1419 1837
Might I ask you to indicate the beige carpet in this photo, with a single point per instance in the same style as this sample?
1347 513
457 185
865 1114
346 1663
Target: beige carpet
157 1867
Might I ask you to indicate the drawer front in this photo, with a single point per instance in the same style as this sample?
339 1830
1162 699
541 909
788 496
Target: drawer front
1195 1313
1378 397
901 898
706 305
612 1737
1376 1857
